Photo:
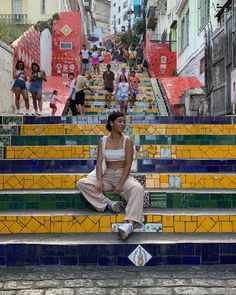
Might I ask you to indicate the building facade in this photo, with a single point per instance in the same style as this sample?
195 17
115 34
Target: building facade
31 11
120 20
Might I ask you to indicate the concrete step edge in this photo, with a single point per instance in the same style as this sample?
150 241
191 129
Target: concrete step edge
149 211
69 239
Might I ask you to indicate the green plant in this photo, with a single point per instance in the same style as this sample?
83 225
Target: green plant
129 38
139 27
9 32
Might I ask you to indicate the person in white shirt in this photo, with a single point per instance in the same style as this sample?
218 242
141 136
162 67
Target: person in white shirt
71 96
85 56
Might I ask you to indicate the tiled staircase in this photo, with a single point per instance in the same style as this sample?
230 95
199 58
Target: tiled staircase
186 164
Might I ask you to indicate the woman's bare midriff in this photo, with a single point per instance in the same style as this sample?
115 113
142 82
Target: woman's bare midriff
115 164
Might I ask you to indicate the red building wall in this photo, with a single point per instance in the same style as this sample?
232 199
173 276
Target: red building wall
27 48
162 61
67 40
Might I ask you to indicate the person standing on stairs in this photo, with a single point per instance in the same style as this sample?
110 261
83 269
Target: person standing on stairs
85 57
36 87
81 83
95 61
19 86
132 55
133 82
108 78
116 152
122 93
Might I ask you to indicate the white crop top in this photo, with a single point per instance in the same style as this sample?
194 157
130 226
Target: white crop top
115 155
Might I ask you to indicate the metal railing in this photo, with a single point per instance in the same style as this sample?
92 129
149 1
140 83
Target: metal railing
20 19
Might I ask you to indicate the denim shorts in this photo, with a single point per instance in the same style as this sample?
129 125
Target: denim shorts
19 84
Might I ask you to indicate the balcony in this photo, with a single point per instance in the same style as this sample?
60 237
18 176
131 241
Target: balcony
20 19
152 18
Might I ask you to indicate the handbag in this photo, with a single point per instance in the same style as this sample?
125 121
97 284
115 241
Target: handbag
104 165
145 64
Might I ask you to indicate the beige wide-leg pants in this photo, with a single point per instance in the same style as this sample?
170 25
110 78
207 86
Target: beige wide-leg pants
132 193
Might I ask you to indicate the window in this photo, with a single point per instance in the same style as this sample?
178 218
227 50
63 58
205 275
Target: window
42 6
17 7
204 13
66 45
118 21
119 9
184 31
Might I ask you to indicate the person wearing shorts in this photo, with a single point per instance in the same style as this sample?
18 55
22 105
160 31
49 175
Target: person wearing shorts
122 93
19 86
108 78
133 82
85 56
80 85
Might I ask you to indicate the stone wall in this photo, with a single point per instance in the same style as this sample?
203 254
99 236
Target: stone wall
6 67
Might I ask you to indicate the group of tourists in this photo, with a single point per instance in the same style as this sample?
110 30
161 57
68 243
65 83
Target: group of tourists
133 56
35 87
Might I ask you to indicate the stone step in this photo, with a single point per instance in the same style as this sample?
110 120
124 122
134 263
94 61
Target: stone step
155 220
142 152
136 119
138 166
46 181
108 249
59 140
72 199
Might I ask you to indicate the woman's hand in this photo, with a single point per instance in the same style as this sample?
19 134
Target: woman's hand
118 189
99 186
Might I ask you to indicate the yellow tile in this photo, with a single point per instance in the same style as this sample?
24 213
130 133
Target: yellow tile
87 224
191 227
157 218
227 227
207 223
168 229
105 221
149 218
179 226
223 218
168 221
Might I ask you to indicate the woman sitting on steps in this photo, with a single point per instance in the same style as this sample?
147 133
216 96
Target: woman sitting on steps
116 151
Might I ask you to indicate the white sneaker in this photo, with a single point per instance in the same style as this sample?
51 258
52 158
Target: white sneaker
114 206
125 230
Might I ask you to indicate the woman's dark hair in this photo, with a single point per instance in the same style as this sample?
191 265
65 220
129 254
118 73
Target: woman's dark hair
17 64
55 92
95 48
35 64
122 75
112 117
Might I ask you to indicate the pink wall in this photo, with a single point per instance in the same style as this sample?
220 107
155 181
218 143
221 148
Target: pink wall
27 48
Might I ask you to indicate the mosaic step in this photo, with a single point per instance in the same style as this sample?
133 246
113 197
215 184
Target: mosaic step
142 152
56 140
73 200
137 129
142 119
149 181
138 166
155 220
141 249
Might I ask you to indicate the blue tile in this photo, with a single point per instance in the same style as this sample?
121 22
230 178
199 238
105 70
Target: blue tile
15 254
3 261
49 260
185 249
227 259
118 250
123 261
210 253
228 248
88 254
68 261
191 260
172 260
106 261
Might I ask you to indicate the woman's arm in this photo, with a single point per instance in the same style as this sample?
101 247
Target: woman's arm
43 76
129 153
15 75
99 167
